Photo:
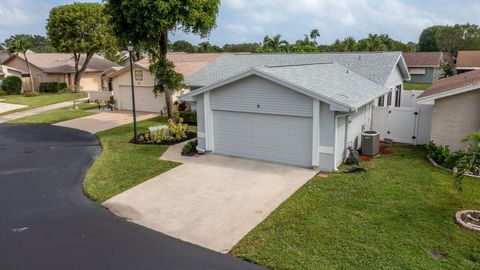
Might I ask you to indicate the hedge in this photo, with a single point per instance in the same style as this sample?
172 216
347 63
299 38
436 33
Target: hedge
188 117
12 85
52 87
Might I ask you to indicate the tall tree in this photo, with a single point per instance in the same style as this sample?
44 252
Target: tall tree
81 29
314 34
428 40
21 44
150 21
183 46
39 44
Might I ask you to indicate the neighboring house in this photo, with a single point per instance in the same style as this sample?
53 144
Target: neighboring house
6 71
60 67
426 67
119 81
298 109
456 108
468 61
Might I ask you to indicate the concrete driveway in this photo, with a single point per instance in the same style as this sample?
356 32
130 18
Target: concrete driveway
104 120
212 201
6 107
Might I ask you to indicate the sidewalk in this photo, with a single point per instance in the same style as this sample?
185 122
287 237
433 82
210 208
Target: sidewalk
14 116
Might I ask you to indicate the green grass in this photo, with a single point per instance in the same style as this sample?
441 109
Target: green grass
56 116
40 100
393 217
416 86
123 165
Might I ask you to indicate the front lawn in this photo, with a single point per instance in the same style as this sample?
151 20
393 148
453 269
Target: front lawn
40 100
56 116
123 165
416 86
399 215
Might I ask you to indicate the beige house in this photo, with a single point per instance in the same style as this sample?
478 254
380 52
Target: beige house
119 80
456 108
60 67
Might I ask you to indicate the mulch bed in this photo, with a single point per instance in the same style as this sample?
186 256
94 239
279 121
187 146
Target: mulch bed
190 135
384 150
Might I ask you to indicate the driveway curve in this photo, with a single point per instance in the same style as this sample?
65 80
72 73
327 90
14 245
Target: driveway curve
47 223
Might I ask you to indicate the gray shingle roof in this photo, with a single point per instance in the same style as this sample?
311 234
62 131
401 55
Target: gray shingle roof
376 66
330 81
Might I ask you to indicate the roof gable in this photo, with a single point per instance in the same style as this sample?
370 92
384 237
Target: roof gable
426 59
452 85
375 66
329 82
468 59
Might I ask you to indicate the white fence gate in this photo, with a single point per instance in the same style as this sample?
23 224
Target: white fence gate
403 124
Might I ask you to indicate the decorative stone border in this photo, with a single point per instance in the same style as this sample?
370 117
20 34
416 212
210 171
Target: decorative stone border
441 167
469 226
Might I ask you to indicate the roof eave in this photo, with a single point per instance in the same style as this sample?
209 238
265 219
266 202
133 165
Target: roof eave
430 99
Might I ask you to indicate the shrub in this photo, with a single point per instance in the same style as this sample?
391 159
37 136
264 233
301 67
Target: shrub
3 92
188 117
470 160
177 130
190 148
31 94
439 153
12 85
52 87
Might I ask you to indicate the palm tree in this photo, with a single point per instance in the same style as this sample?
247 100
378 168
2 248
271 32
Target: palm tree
314 34
349 44
304 42
204 46
20 44
274 43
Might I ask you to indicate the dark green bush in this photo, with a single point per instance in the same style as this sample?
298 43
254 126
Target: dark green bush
12 85
189 118
439 153
190 148
52 87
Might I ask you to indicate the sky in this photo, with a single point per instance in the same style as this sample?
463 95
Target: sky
250 20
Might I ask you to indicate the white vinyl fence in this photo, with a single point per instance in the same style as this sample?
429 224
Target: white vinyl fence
403 124
409 98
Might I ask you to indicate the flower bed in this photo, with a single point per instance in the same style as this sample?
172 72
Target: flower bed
469 219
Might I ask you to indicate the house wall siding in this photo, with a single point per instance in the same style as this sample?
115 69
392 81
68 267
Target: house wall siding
455 117
428 77
258 95
199 105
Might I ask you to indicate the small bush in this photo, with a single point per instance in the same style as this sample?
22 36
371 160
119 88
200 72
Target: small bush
189 118
12 85
177 130
190 148
439 153
3 92
52 87
31 94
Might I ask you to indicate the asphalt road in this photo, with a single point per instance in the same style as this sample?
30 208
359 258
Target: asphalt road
47 223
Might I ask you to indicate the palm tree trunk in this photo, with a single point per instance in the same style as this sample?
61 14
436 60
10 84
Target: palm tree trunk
168 92
29 73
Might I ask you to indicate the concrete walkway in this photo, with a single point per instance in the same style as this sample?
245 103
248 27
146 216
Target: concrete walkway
17 115
6 107
212 201
104 120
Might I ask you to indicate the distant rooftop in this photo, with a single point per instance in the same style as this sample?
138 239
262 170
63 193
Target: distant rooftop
458 81
426 59
468 59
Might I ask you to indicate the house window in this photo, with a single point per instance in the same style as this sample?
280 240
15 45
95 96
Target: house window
138 75
389 99
417 71
381 101
398 95
110 87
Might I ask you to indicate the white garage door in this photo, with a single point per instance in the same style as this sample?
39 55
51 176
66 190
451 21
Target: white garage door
283 139
144 99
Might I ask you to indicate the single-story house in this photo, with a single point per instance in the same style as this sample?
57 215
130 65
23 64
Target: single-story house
456 108
119 80
467 61
60 67
298 109
426 67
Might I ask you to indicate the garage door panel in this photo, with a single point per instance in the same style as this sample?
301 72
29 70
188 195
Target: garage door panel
284 139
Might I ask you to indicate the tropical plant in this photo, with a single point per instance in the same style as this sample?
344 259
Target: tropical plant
149 22
39 44
81 29
274 44
177 130
190 148
470 160
448 69
21 45
314 34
